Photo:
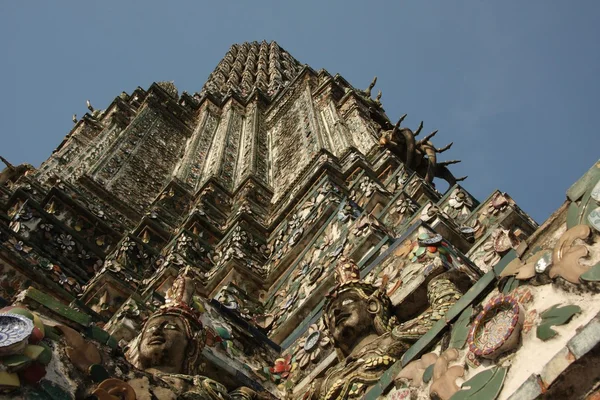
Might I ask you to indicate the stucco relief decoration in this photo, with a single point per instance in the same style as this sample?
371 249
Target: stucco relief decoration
499 243
54 271
254 191
403 208
311 270
570 260
498 205
428 246
431 212
190 247
293 230
365 189
435 369
571 248
459 205
131 261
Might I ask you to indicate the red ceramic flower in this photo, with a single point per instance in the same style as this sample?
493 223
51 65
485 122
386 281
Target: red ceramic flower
282 366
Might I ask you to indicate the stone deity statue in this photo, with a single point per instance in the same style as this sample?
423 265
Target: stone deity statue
367 338
170 344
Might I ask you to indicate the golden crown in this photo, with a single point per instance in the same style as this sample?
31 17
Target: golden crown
346 271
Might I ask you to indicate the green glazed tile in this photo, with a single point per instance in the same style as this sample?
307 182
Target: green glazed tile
587 181
485 385
98 373
511 284
51 332
97 334
555 316
54 391
591 275
504 261
61 309
112 342
460 330
374 392
46 355
15 362
386 378
572 215
428 374
508 284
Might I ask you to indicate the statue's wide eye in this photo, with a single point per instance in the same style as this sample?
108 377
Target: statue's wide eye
347 301
171 327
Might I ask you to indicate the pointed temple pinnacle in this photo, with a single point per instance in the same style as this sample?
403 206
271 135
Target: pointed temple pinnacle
264 66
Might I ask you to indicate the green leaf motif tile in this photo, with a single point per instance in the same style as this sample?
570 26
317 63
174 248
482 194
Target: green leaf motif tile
485 385
428 374
510 285
54 391
460 331
555 316
591 275
572 216
587 181
98 373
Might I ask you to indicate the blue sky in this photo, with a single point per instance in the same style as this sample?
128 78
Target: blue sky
513 83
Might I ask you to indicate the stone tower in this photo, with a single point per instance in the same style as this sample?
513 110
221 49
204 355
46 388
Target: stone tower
275 235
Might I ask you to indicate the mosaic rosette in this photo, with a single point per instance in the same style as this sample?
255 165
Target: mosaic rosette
497 328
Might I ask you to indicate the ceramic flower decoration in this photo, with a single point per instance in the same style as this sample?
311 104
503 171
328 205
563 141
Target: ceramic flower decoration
311 346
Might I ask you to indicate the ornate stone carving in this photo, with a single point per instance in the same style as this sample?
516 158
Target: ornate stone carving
172 338
366 336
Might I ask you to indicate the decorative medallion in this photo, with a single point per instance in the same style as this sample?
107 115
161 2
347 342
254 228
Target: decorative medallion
14 331
497 328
